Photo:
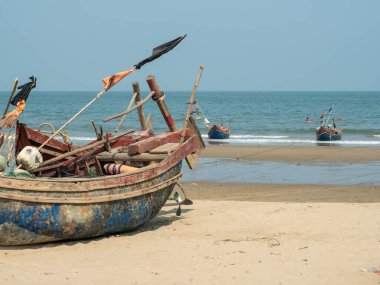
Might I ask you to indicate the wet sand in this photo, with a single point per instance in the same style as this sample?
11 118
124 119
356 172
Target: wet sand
299 154
283 193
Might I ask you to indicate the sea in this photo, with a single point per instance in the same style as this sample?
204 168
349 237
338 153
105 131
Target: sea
255 118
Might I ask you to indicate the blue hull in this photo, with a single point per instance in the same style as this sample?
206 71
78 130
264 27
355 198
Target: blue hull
328 137
216 133
23 222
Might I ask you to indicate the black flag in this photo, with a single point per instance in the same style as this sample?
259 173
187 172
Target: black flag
25 91
160 50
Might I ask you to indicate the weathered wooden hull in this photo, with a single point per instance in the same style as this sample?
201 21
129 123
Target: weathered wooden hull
216 132
41 216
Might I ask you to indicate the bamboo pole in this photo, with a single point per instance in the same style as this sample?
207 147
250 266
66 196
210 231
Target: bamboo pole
76 115
190 104
83 148
131 109
136 89
123 118
11 96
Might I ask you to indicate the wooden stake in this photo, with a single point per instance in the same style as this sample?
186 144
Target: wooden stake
11 96
123 118
160 100
136 89
148 122
190 104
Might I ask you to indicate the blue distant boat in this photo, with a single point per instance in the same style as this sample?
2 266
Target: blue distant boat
328 133
219 132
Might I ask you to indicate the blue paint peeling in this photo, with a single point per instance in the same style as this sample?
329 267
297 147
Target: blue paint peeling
100 218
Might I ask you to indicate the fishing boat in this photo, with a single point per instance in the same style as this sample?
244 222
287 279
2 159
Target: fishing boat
112 185
218 132
214 131
326 132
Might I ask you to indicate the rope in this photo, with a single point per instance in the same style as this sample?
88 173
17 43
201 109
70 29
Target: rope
65 137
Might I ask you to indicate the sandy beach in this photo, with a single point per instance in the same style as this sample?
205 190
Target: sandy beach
234 233
299 154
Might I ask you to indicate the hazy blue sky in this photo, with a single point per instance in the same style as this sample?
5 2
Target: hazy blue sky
244 45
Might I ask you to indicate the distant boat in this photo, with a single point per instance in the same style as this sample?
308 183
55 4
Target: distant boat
219 132
326 132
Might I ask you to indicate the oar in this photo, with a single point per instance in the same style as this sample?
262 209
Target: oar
11 96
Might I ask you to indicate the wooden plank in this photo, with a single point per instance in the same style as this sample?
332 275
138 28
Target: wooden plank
91 200
84 148
164 149
126 157
53 153
153 142
192 126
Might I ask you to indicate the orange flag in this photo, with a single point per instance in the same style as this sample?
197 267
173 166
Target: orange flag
115 78
12 117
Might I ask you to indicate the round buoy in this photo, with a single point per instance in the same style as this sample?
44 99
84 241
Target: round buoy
29 158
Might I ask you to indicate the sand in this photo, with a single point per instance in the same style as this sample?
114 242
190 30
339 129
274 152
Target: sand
300 154
232 234
216 242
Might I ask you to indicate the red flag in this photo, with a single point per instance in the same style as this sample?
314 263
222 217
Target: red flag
115 78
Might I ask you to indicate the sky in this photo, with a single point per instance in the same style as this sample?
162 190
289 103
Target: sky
268 45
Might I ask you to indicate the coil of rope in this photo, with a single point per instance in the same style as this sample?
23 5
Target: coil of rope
66 139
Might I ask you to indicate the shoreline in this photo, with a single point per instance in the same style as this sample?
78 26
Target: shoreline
302 154
286 193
